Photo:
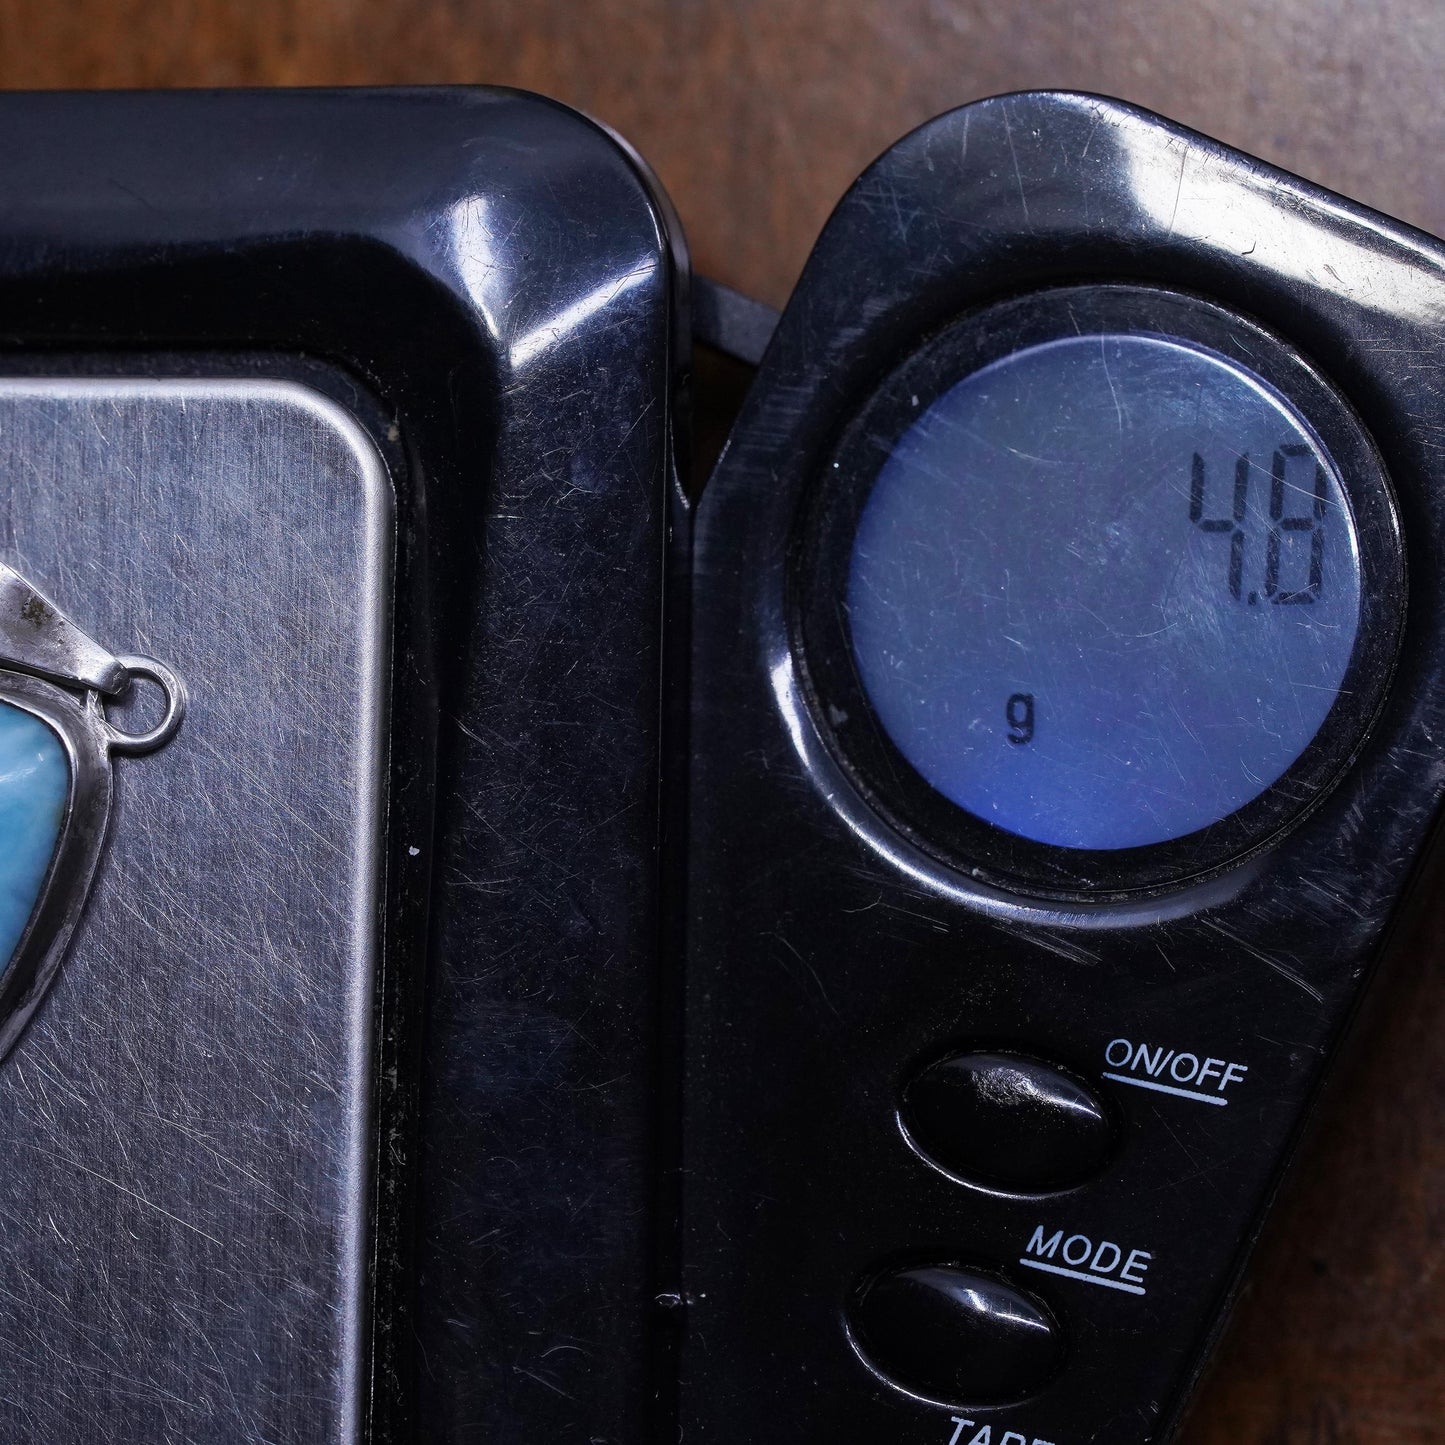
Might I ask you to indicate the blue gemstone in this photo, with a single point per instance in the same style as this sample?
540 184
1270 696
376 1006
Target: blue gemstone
34 796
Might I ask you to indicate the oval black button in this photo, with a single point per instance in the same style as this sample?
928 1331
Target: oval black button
955 1335
1007 1120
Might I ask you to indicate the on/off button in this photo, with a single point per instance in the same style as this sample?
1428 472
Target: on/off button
1007 1120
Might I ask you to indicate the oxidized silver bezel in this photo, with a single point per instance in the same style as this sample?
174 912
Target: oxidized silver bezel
87 740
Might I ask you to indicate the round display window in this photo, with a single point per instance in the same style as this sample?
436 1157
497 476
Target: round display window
1114 583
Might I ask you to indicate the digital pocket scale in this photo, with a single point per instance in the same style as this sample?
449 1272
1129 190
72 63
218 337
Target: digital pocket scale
851 973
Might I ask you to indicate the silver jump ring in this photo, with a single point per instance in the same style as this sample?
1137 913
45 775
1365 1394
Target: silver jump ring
166 728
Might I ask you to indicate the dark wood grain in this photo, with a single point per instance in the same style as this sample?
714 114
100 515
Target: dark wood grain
757 116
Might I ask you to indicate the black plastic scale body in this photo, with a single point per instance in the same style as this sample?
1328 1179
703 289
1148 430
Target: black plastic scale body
406 1199
1131 1052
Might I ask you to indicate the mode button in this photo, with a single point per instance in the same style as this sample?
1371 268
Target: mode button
954 1335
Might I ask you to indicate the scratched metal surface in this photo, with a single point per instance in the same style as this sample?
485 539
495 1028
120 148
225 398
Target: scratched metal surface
184 1124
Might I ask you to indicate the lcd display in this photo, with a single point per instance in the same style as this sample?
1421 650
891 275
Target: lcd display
1104 591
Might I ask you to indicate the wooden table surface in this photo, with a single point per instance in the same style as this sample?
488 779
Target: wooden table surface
757 116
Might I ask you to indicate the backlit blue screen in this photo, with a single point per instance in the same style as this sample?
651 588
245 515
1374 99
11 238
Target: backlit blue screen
1104 591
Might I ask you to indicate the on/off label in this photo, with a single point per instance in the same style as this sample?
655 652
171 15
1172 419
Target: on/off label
1184 1073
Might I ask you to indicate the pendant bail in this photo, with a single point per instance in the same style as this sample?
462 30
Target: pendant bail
36 636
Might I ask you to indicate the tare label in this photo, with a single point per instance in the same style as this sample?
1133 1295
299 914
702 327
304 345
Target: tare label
988 1434
1181 1072
1094 1261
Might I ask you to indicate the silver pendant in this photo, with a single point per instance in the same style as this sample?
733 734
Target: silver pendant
56 747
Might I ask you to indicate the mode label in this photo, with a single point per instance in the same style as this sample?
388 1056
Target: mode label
1165 1070
1076 1256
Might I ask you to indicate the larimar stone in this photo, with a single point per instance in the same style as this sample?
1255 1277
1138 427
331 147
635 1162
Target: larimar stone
34 796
